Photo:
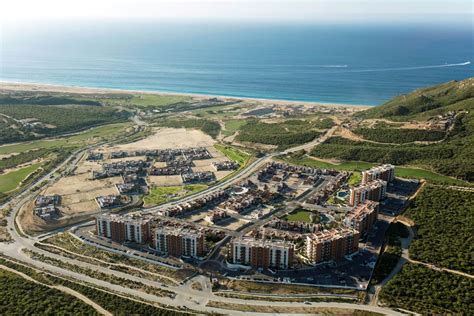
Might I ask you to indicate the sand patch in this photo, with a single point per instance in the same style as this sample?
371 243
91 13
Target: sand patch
168 138
165 181
81 183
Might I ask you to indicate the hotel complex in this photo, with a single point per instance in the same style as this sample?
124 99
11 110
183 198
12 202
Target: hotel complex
363 216
320 242
374 190
331 244
383 172
123 228
260 253
179 242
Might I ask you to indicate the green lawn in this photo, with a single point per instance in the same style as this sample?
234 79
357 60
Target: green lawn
302 216
159 195
234 154
231 126
404 172
355 179
157 100
428 175
219 111
10 181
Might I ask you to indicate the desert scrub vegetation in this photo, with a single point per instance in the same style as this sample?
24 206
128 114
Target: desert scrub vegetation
399 135
54 120
444 220
422 290
283 134
19 296
116 304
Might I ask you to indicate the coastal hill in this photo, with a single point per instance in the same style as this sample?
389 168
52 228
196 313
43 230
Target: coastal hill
430 128
422 103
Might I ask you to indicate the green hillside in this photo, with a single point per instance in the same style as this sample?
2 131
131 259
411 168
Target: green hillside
422 103
451 156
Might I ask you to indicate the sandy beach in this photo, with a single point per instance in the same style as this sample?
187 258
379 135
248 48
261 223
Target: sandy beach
21 86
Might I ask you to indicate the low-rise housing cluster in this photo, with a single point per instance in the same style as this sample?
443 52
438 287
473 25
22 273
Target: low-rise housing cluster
329 189
194 177
108 201
128 188
165 155
170 171
95 156
443 122
216 216
225 165
121 168
243 201
46 206
294 226
206 200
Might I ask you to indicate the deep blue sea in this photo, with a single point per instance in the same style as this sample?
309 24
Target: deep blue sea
352 64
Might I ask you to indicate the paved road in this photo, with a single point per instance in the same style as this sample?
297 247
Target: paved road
186 295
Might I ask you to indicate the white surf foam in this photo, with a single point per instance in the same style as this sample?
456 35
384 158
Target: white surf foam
413 68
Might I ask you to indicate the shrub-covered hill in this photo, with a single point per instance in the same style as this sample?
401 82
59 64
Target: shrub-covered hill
426 102
452 156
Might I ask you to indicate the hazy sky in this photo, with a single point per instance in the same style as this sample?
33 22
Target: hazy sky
242 10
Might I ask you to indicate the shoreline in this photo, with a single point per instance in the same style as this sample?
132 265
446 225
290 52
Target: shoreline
32 86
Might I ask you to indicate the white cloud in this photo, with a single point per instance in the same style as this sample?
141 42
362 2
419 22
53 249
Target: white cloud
298 10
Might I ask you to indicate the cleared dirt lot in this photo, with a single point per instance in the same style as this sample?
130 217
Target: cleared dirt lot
168 138
165 181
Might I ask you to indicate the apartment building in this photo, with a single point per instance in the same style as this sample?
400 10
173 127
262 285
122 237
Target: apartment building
261 253
123 228
384 172
331 244
375 190
363 216
179 242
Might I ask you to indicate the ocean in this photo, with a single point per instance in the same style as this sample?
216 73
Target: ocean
350 64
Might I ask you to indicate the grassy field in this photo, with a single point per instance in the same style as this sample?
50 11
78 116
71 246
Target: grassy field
302 216
155 100
219 111
104 131
231 126
10 181
404 172
160 195
355 179
234 154
428 175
